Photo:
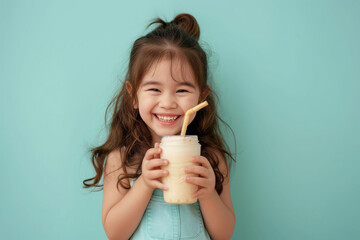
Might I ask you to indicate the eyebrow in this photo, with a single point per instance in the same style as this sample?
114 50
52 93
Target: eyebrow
189 84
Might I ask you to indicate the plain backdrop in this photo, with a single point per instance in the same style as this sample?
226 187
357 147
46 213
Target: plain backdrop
287 75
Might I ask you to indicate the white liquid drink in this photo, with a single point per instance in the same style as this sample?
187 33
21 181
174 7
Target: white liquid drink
178 151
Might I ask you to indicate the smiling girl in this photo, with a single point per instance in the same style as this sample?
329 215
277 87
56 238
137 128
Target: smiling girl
167 75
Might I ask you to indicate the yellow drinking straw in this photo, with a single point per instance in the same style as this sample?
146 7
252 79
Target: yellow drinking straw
187 115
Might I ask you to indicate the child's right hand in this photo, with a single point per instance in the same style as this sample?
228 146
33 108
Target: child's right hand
151 168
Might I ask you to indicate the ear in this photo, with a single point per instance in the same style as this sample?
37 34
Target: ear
129 90
205 93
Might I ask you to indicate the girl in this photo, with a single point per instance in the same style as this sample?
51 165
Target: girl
167 75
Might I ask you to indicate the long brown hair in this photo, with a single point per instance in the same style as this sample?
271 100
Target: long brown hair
176 39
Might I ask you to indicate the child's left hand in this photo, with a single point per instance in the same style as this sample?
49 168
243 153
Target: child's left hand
206 179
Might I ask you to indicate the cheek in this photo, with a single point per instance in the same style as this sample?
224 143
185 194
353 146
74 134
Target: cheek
190 102
146 104
144 111
192 117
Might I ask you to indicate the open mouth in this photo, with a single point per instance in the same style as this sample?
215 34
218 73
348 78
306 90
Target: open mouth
167 118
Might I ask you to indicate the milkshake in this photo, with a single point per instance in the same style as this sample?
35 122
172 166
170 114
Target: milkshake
179 150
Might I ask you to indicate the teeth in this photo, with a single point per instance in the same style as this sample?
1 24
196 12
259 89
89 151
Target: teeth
167 119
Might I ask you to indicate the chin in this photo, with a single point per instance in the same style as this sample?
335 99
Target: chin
168 133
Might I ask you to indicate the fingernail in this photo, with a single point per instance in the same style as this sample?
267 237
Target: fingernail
164 172
165 162
186 169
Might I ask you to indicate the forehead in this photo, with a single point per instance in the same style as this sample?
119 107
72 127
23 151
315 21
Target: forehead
173 69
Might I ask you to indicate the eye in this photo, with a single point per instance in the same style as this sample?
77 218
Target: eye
154 90
182 91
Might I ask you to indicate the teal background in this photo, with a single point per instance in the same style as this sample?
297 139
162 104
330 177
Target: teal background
287 74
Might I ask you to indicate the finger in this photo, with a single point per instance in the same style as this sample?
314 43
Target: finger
160 185
202 160
157 146
202 171
151 152
199 193
156 162
199 181
154 174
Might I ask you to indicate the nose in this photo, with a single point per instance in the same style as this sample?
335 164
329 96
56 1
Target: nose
167 101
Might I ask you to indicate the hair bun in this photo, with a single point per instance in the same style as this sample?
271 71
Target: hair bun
188 23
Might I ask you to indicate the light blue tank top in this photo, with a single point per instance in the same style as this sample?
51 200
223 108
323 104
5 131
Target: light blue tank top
170 221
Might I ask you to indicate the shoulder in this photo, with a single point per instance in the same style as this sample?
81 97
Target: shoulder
115 162
113 169
223 165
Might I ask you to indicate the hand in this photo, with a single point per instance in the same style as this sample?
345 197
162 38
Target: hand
205 179
151 168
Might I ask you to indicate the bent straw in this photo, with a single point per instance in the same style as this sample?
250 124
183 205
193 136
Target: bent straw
187 116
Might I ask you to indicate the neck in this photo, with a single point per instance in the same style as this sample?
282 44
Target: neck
155 139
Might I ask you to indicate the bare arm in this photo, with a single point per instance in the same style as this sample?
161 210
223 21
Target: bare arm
217 211
123 209
218 214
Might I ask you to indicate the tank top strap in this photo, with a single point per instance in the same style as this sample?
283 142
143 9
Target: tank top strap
132 181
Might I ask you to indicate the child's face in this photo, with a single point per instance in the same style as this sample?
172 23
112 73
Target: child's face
163 101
